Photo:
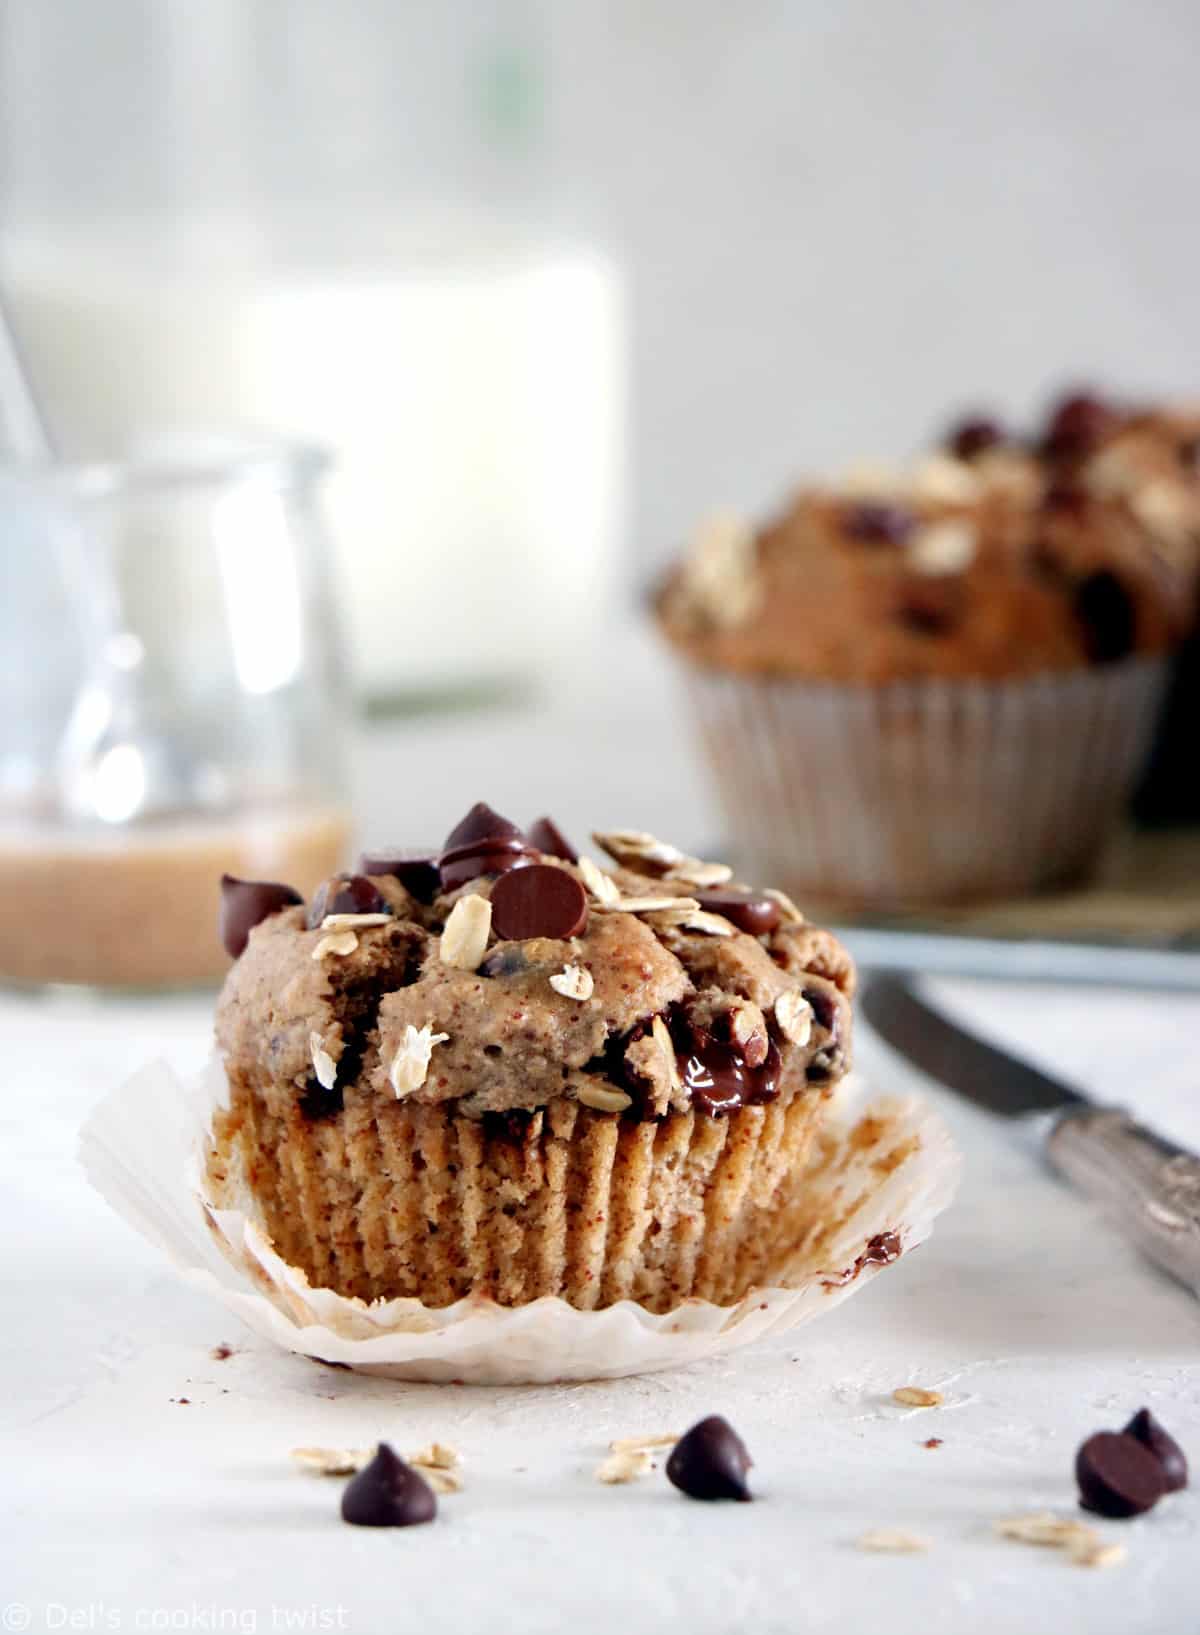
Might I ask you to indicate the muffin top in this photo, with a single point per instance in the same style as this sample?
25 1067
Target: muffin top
505 971
992 557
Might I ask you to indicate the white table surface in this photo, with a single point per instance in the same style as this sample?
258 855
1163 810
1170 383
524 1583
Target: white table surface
126 1509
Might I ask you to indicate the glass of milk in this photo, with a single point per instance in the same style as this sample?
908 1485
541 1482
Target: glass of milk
469 385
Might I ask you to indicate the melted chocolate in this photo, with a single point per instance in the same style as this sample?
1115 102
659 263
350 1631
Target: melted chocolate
316 1102
881 1250
716 1074
510 1125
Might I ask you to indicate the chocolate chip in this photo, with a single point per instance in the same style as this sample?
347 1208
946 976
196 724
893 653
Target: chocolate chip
756 915
1144 1428
878 524
346 894
388 1493
930 605
511 1125
245 904
824 1008
483 829
538 901
546 835
1066 496
1118 1476
710 1461
457 871
483 843
318 1101
716 1074
1078 424
417 871
974 435
1105 612
504 962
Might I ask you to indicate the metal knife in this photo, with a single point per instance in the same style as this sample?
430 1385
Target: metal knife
1149 1187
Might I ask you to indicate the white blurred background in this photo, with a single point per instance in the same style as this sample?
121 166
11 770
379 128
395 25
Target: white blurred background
751 240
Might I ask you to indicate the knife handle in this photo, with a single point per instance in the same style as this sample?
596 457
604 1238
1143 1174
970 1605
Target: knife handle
1149 1187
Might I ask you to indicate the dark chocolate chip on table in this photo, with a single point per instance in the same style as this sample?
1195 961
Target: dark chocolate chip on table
877 523
749 912
538 901
1118 1475
388 1493
548 838
417 871
346 894
245 904
710 1461
1144 1428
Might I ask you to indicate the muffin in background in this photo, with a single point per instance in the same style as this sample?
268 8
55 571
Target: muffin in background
502 1071
940 686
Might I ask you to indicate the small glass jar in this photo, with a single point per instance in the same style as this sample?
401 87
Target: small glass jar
172 706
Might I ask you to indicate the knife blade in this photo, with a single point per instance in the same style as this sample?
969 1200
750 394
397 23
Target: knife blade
1148 1186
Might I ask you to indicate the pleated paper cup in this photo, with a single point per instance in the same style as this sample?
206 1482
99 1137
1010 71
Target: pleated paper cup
925 792
392 1198
876 1177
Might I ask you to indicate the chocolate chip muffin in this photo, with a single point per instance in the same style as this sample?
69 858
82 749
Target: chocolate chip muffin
501 1070
941 685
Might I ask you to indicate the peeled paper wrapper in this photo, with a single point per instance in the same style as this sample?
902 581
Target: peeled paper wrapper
882 1168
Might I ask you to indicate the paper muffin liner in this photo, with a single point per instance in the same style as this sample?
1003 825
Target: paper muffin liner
925 792
392 1198
879 1173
